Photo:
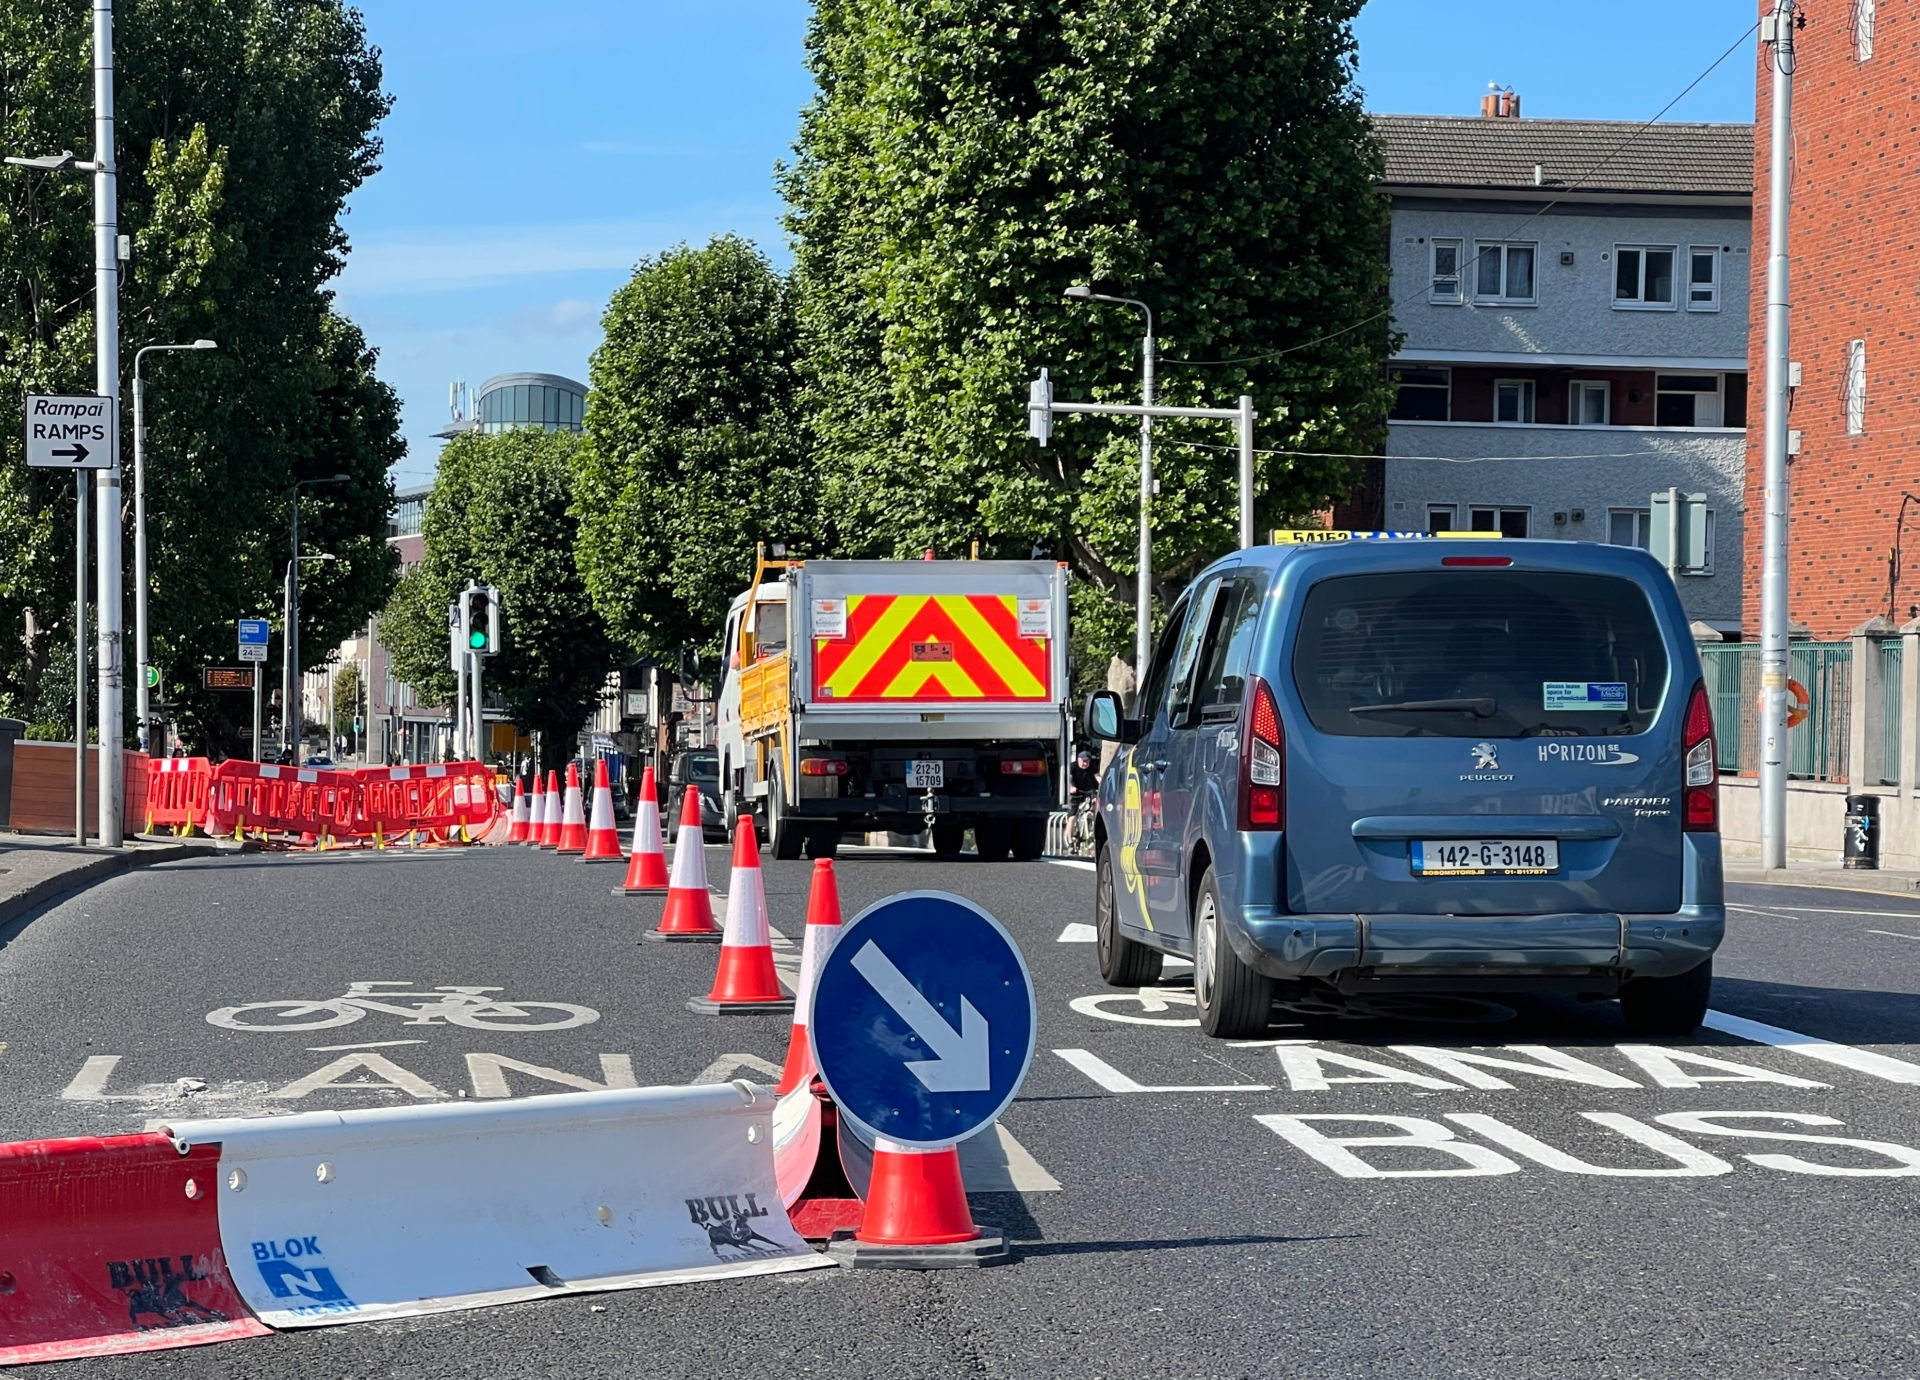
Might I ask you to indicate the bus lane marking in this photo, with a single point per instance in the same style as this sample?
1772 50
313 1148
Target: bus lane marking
1812 1047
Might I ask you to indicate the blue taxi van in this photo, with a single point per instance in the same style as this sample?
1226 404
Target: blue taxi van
1416 766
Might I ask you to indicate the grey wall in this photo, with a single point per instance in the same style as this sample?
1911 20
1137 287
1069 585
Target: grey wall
1637 462
1575 312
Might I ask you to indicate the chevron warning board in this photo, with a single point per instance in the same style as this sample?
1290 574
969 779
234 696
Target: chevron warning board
932 649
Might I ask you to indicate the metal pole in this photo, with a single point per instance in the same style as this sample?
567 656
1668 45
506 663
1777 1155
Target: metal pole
259 694
1246 470
1773 574
1673 533
106 274
480 744
290 647
460 710
286 655
143 697
81 480
1143 602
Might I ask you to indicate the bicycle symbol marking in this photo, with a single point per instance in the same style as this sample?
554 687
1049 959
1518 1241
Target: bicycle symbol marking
470 1007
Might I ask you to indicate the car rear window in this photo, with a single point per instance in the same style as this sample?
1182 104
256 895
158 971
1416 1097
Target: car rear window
702 766
1471 654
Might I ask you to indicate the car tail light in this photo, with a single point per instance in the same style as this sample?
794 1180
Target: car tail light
1700 795
1263 758
1476 560
1023 766
823 766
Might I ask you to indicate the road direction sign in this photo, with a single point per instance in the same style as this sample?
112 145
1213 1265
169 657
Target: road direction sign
69 433
923 1019
227 677
253 639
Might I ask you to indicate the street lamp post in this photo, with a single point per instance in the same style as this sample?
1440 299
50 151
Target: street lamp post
144 695
290 706
1143 600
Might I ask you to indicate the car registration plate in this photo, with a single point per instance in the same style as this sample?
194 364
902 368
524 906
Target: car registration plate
926 775
1485 857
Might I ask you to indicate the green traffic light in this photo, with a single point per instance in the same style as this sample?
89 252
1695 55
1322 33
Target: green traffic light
477 639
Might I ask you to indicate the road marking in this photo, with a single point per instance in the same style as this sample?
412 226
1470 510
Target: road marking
1077 933
391 1078
1150 999
1890 934
727 1066
1782 912
1812 1047
370 1044
489 1074
1078 864
994 1162
90 1084
1105 1075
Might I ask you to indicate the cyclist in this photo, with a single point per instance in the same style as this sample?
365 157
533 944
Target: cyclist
1083 785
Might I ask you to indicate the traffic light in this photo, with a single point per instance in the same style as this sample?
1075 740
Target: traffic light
473 620
1040 408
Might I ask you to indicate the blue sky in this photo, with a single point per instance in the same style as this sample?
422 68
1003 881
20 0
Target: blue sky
536 151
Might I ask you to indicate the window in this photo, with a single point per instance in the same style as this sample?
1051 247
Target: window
1587 403
1446 272
1441 517
1856 387
1628 527
1686 400
1223 673
1513 400
1503 273
1180 688
1426 395
1508 522
1155 685
1703 278
1643 277
1862 30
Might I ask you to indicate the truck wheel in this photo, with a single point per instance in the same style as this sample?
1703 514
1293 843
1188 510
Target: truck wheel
1234 1002
783 833
823 841
1669 1006
992 840
947 839
1029 837
1123 962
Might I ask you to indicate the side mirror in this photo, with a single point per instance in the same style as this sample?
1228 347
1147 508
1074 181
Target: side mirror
1103 719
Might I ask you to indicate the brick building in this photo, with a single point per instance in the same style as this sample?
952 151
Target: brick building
1855 290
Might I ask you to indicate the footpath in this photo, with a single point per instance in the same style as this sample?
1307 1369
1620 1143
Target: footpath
35 869
1745 871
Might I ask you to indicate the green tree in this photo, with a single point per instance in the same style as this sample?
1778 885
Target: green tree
964 160
242 127
500 514
694 451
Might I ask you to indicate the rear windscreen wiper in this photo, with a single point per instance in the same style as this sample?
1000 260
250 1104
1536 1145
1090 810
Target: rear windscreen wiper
1479 708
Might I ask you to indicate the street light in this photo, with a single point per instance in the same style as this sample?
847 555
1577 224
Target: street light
1143 602
290 650
142 692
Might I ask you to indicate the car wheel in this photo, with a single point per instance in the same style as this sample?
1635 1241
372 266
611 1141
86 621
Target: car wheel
1668 1005
1028 838
823 841
948 838
783 833
992 840
1123 962
1234 1002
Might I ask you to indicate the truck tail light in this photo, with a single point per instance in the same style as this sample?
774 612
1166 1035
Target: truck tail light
1263 756
1700 793
823 766
1023 766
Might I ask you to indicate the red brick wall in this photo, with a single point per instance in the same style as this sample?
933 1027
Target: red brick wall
1855 274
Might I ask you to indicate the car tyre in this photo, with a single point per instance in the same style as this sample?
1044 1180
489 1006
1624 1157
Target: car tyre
948 839
1234 1002
1124 962
1028 838
1668 1006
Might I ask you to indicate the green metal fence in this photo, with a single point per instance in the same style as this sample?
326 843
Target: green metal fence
1721 667
1817 748
1890 661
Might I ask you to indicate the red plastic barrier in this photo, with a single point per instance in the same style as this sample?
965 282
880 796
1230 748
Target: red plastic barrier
434 799
112 1245
177 792
373 802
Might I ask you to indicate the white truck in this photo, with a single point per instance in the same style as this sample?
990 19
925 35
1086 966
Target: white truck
907 696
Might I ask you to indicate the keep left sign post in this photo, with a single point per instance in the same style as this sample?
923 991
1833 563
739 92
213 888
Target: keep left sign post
69 433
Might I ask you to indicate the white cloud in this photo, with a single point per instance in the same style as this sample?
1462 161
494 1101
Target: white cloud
437 261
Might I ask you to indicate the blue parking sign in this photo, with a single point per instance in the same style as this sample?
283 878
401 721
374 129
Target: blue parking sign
923 1019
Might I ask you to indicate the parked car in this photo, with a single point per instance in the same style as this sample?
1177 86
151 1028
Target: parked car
1417 766
699 767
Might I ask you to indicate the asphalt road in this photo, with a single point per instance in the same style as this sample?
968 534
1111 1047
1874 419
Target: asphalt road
1202 1223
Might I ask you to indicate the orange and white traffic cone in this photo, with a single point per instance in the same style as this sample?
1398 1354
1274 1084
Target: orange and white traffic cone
573 815
689 915
550 836
647 871
541 834
823 927
746 980
603 840
522 815
917 1216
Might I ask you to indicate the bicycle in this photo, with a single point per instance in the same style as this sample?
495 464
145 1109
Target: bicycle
469 1007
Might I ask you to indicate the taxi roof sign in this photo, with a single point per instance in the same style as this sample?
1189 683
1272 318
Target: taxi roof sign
1307 536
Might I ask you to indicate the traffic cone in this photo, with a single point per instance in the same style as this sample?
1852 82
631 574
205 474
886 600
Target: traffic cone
689 915
536 811
522 817
603 840
917 1216
550 830
823 927
648 869
573 815
746 980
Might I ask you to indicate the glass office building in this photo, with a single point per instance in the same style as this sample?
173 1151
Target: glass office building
506 402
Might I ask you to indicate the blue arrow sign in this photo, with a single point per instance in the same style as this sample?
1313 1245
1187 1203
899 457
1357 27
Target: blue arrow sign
923 1019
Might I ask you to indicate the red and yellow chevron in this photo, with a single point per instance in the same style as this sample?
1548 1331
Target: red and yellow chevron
931 649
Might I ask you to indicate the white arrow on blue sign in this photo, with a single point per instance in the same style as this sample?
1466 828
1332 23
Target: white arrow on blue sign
923 1019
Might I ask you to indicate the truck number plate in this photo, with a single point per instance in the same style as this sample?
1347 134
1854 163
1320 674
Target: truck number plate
924 775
